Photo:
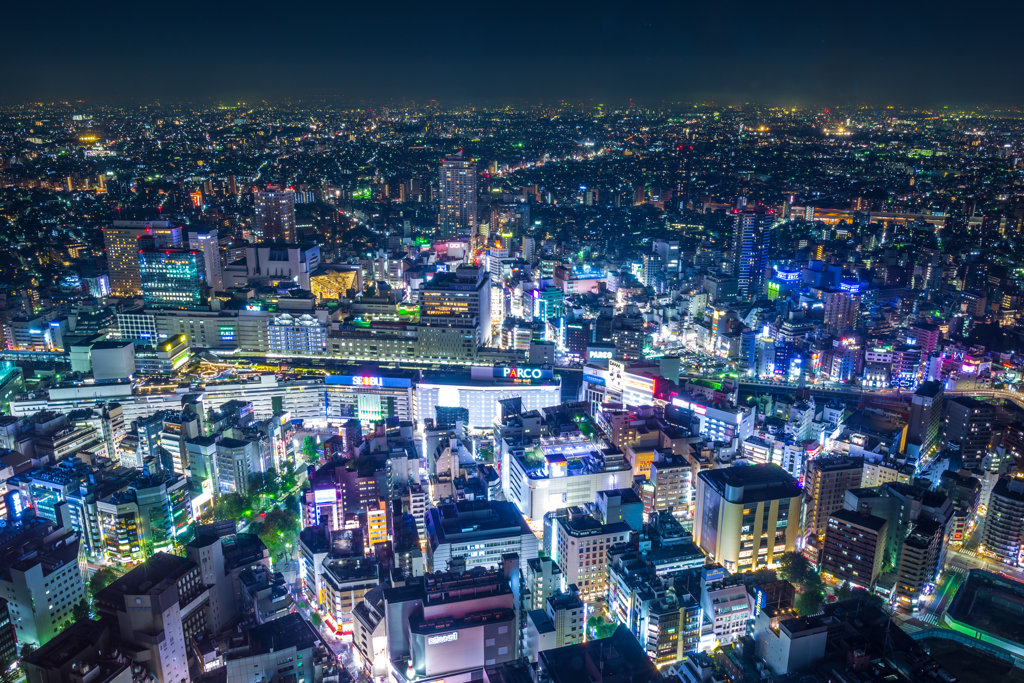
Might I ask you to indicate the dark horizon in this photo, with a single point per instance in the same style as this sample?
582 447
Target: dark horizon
652 51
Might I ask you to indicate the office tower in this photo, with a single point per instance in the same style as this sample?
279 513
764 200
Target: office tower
462 300
543 579
969 429
840 311
925 335
285 649
38 556
477 531
206 242
565 610
206 551
672 480
919 522
828 480
924 427
592 661
580 547
275 215
173 278
457 196
157 607
652 273
237 461
763 498
1004 524
750 248
668 250
452 624
121 240
854 548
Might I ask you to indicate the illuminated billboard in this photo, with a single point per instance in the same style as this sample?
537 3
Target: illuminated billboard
325 496
522 372
368 381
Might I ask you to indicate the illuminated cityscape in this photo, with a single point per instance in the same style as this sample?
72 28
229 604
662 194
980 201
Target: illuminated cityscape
425 365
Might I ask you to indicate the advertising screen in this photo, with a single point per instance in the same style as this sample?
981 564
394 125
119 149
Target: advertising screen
321 496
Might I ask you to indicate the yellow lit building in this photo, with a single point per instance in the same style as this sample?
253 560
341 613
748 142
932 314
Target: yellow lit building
332 284
377 526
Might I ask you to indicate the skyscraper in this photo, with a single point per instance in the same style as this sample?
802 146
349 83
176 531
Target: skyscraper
925 425
828 480
457 184
172 278
750 246
1004 524
275 215
205 241
969 428
121 240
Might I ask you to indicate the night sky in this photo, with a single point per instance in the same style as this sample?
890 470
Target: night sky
398 51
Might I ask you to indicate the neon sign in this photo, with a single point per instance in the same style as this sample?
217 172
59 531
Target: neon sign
522 373
446 638
367 382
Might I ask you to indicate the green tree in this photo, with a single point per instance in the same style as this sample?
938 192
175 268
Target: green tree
27 649
315 620
101 579
310 448
271 483
795 568
279 531
599 628
288 477
844 592
230 506
80 610
809 602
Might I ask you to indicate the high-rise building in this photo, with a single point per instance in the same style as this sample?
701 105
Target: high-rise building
173 278
828 480
452 624
925 425
1004 524
457 190
747 516
275 215
750 248
969 428
672 479
459 299
925 335
158 607
840 310
580 548
121 240
543 579
206 242
854 547
477 531
36 557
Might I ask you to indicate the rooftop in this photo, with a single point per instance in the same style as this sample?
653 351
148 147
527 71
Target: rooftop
291 630
864 521
752 483
989 603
